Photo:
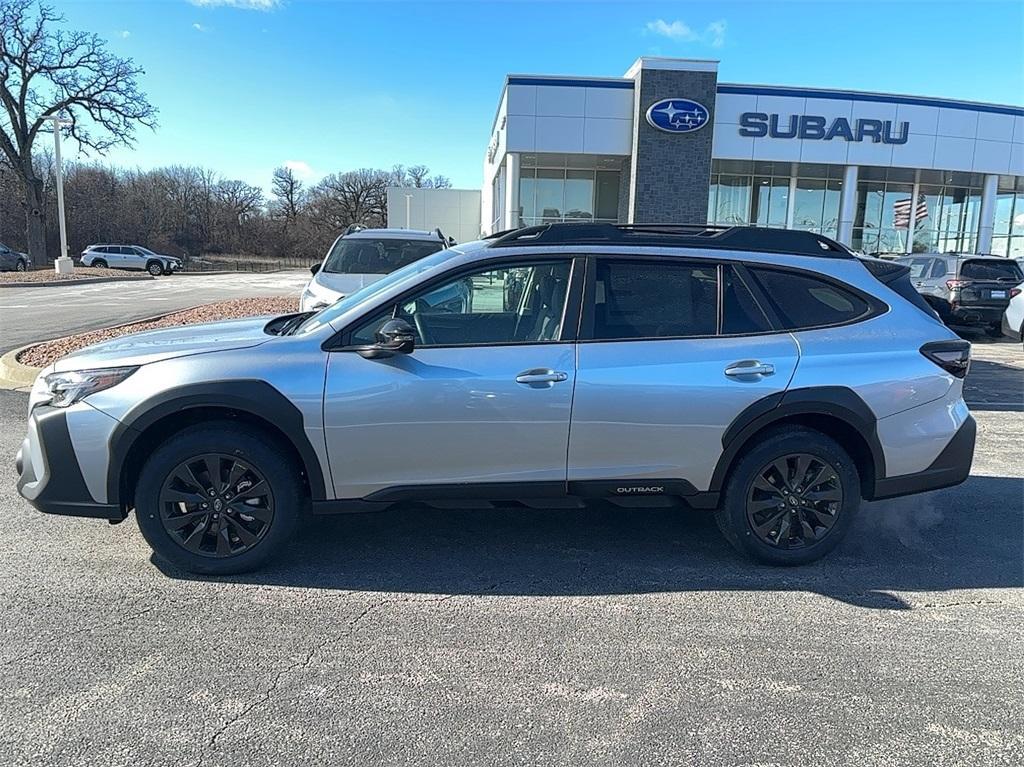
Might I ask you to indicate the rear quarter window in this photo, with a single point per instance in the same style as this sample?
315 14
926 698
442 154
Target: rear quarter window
803 301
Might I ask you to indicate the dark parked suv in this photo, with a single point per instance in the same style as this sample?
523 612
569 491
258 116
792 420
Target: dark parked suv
965 289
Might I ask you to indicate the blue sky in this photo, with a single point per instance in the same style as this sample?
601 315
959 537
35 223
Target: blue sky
245 85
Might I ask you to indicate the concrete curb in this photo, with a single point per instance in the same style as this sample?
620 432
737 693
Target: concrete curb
62 283
15 376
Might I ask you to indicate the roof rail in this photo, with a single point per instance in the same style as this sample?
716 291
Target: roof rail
760 239
353 228
448 241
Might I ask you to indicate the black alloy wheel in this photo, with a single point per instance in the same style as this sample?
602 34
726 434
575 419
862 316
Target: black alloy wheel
794 501
216 505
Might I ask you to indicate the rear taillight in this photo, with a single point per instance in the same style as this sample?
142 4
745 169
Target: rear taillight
957 284
952 356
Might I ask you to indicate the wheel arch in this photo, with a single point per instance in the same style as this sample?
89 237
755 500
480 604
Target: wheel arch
835 411
255 403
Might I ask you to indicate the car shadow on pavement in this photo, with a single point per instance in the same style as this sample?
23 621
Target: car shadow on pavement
968 537
994 386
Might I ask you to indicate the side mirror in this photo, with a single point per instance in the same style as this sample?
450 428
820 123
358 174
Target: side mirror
394 337
314 268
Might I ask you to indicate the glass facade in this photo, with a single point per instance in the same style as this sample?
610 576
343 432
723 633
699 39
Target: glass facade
946 213
759 193
1008 234
556 188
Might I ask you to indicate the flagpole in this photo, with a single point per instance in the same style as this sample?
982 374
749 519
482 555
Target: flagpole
911 225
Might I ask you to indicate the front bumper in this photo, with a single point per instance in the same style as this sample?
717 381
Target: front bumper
49 475
1010 332
951 467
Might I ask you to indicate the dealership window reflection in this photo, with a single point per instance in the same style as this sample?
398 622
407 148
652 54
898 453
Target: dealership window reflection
552 194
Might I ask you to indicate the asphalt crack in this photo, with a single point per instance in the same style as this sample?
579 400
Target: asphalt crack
299 665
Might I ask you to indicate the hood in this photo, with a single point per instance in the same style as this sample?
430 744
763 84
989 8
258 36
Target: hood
156 345
344 284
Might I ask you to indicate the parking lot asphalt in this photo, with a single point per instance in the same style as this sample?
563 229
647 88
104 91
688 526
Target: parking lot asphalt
39 314
541 637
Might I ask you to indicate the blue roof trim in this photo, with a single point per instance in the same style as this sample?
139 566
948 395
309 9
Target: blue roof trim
875 97
569 82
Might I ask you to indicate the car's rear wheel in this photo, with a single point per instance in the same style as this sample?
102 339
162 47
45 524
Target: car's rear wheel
155 268
790 499
218 499
99 263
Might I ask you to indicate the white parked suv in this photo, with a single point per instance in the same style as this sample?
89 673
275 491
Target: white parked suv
130 257
362 256
1013 317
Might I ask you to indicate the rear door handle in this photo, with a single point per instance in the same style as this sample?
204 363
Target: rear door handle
541 376
750 368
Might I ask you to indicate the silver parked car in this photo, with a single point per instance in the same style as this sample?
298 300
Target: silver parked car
130 257
965 290
769 375
12 260
361 256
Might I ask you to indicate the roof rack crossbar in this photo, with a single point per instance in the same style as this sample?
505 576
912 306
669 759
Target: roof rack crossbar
759 239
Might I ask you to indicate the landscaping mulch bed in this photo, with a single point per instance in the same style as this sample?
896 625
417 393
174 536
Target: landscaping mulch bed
80 273
43 354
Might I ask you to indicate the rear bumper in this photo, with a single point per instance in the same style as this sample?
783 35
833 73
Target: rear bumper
49 476
976 315
951 467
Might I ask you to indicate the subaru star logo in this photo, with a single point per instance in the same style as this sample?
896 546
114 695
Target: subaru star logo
677 115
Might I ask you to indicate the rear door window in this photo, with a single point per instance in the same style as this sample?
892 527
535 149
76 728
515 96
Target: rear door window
802 301
654 299
741 313
986 269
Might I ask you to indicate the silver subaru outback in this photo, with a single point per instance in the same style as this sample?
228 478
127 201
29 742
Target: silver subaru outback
768 375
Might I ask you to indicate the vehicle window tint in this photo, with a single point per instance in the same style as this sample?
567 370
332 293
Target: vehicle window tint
365 255
939 269
519 304
806 302
740 311
654 299
978 269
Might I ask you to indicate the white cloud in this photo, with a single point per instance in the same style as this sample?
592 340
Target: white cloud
681 32
199 27
125 34
301 169
675 30
245 5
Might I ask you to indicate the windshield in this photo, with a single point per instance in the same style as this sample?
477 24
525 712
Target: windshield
990 269
366 255
367 292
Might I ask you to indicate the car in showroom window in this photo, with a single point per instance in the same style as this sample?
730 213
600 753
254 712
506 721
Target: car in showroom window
360 257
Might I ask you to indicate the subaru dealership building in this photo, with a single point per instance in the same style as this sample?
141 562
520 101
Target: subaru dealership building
669 143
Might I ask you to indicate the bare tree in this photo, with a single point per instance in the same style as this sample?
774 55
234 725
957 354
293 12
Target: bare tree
288 194
45 71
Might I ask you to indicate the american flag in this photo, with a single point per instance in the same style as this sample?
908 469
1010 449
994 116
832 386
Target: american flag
901 212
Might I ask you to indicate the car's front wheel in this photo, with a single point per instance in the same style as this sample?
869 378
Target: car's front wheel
790 499
21 265
155 268
218 499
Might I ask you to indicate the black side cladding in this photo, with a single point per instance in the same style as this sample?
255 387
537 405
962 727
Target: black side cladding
897 278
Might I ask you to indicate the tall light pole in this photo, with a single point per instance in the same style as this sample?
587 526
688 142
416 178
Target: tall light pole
63 264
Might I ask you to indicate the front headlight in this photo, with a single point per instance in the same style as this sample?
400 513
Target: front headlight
68 388
311 302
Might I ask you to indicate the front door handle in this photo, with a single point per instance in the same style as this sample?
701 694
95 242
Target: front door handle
750 368
541 376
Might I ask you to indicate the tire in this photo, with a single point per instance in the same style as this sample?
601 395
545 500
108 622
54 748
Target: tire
994 331
829 520
20 266
195 544
155 268
98 263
